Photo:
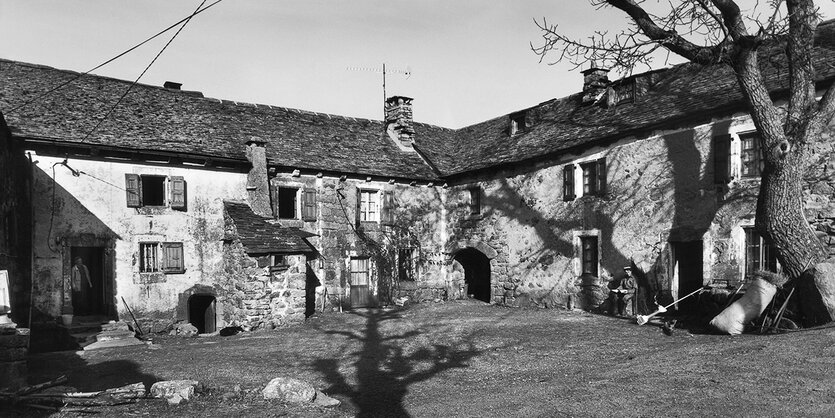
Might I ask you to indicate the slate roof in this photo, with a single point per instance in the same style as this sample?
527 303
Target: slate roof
260 236
158 119
675 94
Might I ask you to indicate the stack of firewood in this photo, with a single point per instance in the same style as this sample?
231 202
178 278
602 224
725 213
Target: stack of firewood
34 397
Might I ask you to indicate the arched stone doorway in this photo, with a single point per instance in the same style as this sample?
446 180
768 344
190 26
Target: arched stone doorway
202 312
476 273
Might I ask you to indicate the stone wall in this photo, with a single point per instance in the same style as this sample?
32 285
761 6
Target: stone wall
257 295
418 223
661 192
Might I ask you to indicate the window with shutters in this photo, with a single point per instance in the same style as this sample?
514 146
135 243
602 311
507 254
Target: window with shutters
387 208
155 191
751 155
369 205
161 257
308 205
594 177
759 254
287 203
475 200
722 159
568 183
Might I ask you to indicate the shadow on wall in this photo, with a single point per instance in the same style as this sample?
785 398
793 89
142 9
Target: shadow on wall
387 364
671 187
59 215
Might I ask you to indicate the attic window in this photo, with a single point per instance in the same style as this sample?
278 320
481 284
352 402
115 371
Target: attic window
623 93
518 122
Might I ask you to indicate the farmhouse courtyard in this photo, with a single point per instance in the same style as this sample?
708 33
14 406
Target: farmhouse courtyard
466 358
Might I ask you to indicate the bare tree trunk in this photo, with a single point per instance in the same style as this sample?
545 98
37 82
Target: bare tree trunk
780 217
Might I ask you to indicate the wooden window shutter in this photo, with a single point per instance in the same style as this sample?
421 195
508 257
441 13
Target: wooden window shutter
274 199
601 177
721 159
387 210
178 193
133 189
568 182
172 257
309 205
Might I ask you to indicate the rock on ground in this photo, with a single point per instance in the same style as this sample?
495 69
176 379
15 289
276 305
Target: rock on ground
174 391
325 400
185 330
289 390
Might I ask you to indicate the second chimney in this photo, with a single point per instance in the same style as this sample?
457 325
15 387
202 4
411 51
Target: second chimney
595 81
399 119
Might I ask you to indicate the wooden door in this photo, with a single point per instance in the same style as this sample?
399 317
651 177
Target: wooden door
360 283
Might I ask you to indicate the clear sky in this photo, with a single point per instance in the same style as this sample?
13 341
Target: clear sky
470 59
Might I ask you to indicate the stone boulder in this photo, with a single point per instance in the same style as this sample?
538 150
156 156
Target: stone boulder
325 400
289 390
174 391
185 330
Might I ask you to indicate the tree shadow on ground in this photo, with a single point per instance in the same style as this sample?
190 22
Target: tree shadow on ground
83 375
386 364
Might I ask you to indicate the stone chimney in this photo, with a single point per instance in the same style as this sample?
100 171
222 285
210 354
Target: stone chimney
595 81
257 182
399 120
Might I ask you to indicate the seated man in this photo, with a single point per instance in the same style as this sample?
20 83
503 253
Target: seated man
625 292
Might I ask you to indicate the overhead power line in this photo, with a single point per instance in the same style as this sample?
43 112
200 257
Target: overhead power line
58 87
112 108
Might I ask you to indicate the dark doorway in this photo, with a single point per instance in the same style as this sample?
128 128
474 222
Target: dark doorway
687 271
476 273
91 293
311 281
201 313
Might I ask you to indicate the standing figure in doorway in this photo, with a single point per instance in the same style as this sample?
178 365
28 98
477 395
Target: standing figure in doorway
82 287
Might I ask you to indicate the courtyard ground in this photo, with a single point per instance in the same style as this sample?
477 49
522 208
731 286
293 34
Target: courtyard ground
472 359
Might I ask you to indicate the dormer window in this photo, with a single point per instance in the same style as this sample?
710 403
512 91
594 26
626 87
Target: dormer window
518 122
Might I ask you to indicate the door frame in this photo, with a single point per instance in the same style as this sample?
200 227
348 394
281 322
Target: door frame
108 246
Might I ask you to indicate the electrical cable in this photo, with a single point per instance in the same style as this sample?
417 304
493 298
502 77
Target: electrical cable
113 108
58 87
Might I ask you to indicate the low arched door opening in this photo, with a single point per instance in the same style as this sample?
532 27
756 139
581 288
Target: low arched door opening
201 313
476 273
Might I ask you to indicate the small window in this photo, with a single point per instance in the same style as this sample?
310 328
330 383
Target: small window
759 254
518 122
406 264
589 256
594 177
153 190
165 257
148 257
368 205
752 163
475 200
287 202
278 263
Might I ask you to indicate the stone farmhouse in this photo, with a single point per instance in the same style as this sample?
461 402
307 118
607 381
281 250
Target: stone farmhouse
187 208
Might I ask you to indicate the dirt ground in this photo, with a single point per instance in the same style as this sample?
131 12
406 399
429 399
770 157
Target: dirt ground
473 359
